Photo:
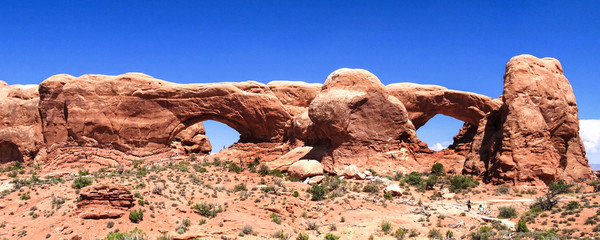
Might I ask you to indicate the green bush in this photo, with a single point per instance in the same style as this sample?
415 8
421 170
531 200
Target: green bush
371 187
25 196
431 181
234 168
437 169
435 234
318 192
522 226
413 179
135 234
460 182
207 209
572 205
275 218
507 212
302 236
330 236
281 235
400 233
240 187
386 227
276 173
81 182
136 215
263 170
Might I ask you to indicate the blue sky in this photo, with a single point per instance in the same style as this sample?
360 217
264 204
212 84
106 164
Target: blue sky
461 46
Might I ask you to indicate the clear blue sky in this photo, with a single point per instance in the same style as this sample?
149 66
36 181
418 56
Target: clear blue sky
461 46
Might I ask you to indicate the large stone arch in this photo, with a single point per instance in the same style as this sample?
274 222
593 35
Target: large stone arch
138 114
423 102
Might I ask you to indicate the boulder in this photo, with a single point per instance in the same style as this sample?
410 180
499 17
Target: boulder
305 168
393 189
104 201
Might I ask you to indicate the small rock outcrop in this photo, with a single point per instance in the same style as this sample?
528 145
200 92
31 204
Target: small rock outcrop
104 201
534 136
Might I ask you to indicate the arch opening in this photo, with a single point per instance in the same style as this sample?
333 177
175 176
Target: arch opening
221 135
439 131
9 152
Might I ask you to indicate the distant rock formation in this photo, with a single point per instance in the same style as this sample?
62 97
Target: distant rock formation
529 135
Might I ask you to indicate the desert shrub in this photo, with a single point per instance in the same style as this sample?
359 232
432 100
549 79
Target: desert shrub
503 190
81 182
413 179
192 158
141 172
234 168
318 192
302 236
431 181
572 205
595 184
437 169
522 226
165 236
388 196
83 172
400 233
449 234
136 216
296 194
25 196
247 229
207 209
330 236
276 173
386 227
373 172
435 234
135 234
281 235
398 176
275 218
371 187
507 212
550 198
263 170
240 187
460 182
110 224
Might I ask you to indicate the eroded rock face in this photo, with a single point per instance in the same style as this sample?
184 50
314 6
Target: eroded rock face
534 136
104 201
20 126
354 115
192 140
140 115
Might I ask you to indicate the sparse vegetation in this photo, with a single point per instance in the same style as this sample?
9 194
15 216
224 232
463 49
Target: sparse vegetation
81 182
136 216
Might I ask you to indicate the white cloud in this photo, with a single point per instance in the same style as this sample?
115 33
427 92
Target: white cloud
589 130
440 146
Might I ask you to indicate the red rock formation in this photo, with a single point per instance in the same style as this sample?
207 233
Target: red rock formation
104 201
423 102
356 117
140 115
534 137
20 128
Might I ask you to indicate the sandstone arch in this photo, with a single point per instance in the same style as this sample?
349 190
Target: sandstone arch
138 114
423 102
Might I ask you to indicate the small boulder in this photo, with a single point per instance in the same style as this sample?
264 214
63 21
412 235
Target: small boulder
394 189
351 171
305 168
